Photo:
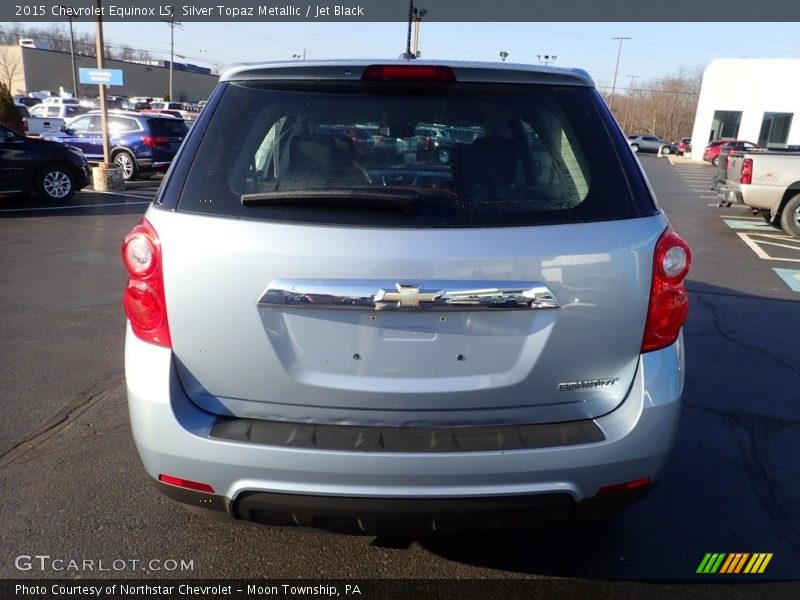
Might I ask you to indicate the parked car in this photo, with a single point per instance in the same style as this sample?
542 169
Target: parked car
319 338
52 171
719 180
58 100
649 143
711 152
57 111
141 143
178 109
27 101
768 181
37 125
684 146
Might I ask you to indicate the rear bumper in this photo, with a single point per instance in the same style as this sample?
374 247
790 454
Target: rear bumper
149 164
265 483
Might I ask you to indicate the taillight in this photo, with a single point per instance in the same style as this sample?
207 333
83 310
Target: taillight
669 302
747 171
156 142
409 73
143 299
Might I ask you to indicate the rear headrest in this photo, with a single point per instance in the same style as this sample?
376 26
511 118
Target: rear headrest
321 151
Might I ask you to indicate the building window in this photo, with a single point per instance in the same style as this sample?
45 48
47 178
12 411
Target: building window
725 125
775 129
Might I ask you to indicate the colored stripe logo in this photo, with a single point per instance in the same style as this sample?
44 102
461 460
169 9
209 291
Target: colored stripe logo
733 563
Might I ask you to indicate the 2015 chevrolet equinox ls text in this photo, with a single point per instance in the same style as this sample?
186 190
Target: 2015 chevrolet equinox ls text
360 338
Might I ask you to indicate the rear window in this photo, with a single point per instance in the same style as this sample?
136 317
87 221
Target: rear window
167 127
469 155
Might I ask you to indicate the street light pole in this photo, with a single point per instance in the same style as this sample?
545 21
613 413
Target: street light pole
546 58
614 85
418 14
628 105
72 54
407 54
172 25
100 47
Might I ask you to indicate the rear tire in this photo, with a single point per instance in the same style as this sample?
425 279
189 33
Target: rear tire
666 150
790 216
715 161
127 164
55 183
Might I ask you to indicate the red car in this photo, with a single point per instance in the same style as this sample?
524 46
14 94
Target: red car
711 152
684 146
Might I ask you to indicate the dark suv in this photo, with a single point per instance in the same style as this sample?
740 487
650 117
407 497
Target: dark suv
141 143
53 171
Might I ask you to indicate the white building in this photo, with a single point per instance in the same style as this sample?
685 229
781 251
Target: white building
753 99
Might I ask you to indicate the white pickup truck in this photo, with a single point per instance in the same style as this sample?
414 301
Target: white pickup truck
768 181
47 118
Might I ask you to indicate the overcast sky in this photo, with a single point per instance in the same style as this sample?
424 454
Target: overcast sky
655 50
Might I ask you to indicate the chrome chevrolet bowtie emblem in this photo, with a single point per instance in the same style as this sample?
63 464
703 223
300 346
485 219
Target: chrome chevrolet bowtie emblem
406 296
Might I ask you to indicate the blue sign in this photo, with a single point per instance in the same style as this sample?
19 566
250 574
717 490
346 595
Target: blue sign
101 76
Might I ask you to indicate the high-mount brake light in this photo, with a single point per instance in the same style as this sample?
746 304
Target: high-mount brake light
669 302
409 73
144 300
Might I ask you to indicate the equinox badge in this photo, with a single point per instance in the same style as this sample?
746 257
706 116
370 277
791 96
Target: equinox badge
588 384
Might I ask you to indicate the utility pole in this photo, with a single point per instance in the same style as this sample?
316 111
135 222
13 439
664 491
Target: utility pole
614 85
628 105
172 25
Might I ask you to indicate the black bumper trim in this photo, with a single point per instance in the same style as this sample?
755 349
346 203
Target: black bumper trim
402 516
407 439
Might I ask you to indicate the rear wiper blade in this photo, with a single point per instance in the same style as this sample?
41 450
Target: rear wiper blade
405 201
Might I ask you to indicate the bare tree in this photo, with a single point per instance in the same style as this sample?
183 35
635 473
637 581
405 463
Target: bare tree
10 67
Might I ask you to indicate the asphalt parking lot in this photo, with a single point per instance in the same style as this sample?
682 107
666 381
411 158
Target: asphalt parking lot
71 484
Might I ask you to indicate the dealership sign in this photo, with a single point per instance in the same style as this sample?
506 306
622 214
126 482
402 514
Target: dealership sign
101 76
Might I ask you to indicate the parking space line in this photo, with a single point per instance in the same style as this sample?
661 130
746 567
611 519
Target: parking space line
791 277
35 208
123 194
756 240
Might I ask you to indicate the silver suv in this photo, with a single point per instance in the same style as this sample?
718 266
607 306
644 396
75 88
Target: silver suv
359 338
649 143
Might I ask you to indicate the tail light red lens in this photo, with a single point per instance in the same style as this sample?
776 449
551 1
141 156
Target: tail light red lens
746 176
669 302
144 301
409 73
156 142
